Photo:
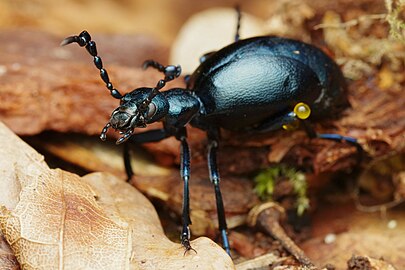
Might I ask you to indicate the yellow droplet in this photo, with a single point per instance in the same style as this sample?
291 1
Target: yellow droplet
302 110
291 126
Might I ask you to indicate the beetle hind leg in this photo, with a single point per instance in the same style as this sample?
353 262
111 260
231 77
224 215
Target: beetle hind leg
215 179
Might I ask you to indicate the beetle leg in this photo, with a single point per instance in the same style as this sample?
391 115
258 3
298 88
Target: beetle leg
127 162
158 135
185 175
84 40
154 135
171 72
284 121
215 179
335 137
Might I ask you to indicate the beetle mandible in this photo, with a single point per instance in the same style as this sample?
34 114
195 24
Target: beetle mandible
259 84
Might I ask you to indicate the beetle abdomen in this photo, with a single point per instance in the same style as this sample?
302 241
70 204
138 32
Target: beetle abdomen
257 70
248 90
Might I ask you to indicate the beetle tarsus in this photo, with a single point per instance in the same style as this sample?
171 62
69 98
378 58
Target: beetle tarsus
185 241
125 137
225 242
171 71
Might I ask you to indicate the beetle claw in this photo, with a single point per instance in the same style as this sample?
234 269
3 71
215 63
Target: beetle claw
124 137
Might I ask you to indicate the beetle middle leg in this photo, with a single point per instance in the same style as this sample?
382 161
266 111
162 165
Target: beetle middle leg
207 55
171 72
215 179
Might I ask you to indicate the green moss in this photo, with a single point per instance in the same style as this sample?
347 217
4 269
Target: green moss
267 179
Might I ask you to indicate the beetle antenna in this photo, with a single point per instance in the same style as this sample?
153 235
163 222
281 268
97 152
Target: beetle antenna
84 40
237 35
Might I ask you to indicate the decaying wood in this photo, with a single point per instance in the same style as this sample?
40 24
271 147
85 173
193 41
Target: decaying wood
48 87
53 219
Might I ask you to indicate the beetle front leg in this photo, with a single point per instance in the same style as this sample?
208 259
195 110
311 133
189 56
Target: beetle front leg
153 135
185 175
215 179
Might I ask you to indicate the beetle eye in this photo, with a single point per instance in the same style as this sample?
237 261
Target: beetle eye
151 110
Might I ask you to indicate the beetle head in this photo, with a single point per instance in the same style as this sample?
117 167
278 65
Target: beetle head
137 109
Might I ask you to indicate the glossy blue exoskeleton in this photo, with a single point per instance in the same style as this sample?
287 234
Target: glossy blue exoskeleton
258 84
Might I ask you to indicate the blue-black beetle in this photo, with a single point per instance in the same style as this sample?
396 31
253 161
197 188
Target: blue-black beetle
258 84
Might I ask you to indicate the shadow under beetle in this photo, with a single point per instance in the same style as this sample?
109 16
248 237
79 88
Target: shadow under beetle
254 85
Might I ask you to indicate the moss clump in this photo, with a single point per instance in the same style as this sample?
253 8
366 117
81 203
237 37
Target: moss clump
268 179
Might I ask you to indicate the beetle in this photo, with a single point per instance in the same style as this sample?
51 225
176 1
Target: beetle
253 85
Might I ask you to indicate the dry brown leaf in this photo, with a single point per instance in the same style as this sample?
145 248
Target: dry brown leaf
55 222
58 224
151 249
8 261
58 221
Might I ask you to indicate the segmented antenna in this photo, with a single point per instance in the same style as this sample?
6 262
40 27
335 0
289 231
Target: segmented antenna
237 36
84 40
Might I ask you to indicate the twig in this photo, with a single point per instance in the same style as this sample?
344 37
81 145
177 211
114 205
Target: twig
268 216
